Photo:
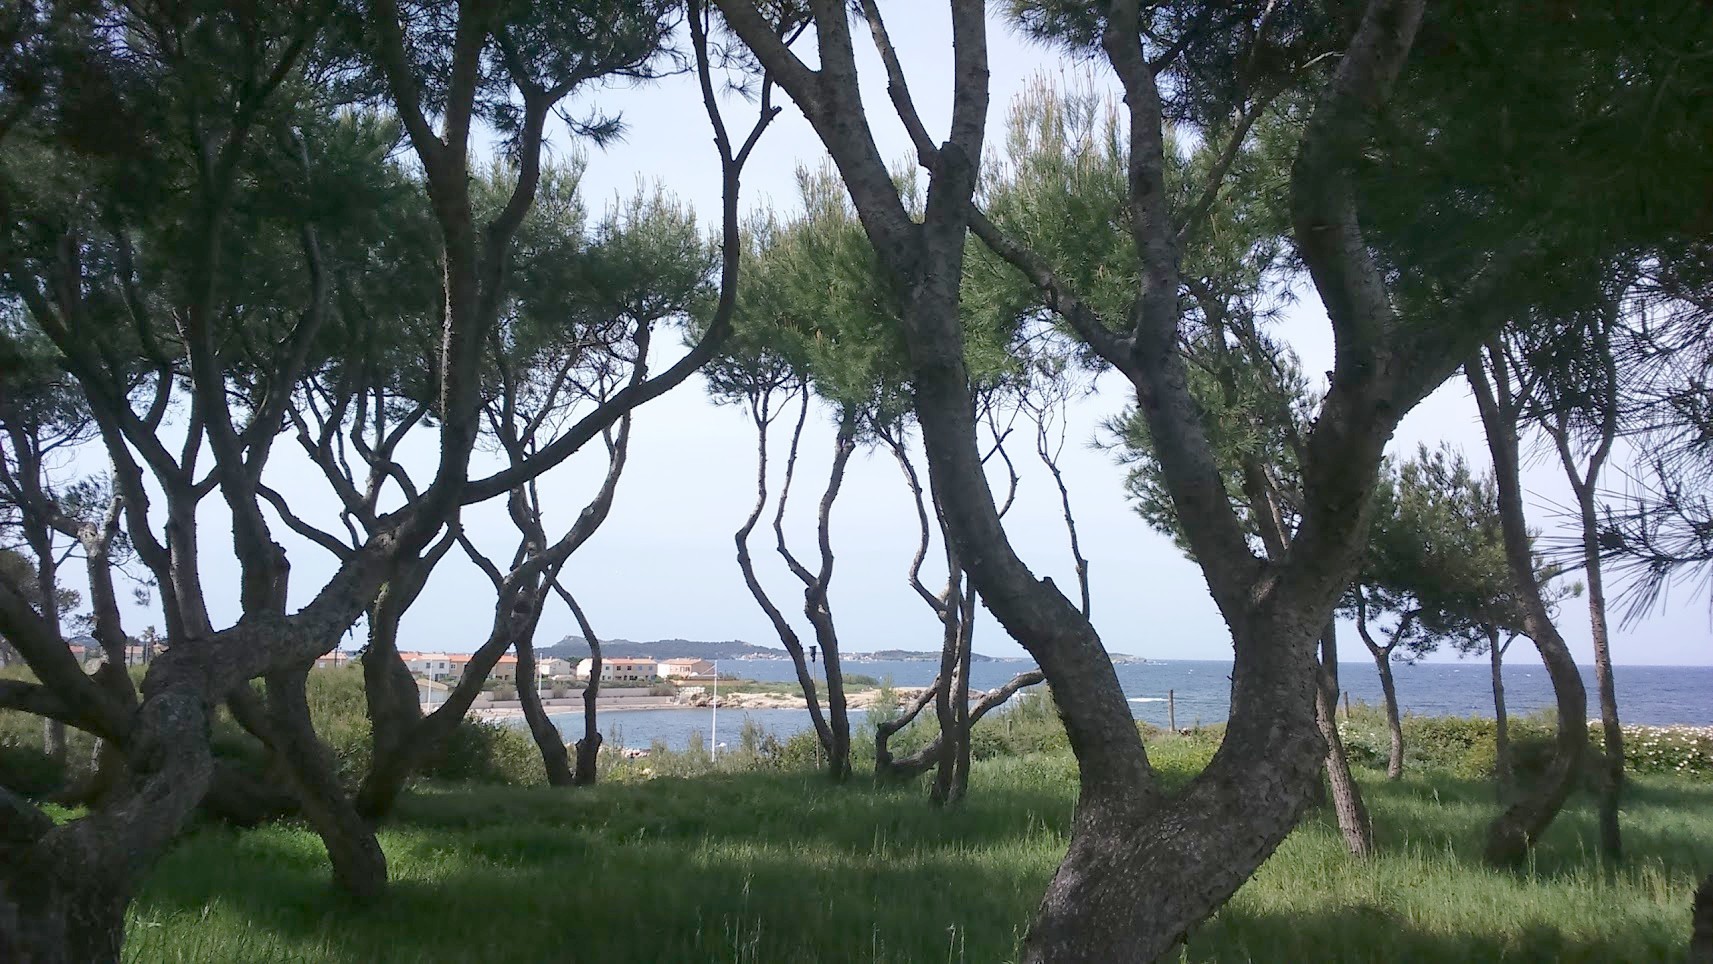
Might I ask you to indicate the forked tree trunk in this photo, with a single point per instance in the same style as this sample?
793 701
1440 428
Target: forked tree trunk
391 696
1347 806
390 771
1501 719
815 603
359 866
1515 830
1602 401
1388 687
1106 902
931 755
548 741
885 765
746 564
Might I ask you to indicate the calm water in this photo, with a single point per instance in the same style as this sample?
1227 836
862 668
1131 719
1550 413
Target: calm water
1646 694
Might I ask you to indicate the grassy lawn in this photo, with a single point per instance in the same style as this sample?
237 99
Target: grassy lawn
781 867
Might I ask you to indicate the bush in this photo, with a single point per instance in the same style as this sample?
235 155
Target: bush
483 752
662 689
801 751
1029 723
1674 750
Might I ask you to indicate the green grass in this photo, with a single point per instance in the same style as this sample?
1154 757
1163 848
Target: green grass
782 867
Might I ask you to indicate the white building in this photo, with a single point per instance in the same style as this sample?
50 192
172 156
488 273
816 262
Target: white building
433 665
620 670
686 667
554 667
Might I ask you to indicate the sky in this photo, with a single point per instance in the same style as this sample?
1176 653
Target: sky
663 565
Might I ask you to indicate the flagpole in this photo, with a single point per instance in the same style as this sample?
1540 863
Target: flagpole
714 743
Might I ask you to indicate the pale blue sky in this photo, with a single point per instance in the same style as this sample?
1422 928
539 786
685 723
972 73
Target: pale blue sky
663 565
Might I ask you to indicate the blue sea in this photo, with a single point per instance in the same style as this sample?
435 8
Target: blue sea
1201 691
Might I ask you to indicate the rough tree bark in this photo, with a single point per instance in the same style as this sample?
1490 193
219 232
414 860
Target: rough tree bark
1347 804
359 866
1515 830
1105 902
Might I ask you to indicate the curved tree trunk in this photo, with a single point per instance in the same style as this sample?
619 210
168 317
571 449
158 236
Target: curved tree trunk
589 747
746 564
930 756
1599 402
1515 830
64 889
885 765
389 772
547 738
359 866
1142 868
1394 724
816 605
391 697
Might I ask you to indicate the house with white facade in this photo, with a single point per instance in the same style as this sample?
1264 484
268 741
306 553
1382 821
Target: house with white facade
685 667
553 667
620 670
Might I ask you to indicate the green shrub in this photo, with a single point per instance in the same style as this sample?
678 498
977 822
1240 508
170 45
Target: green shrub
1029 723
801 751
479 751
1675 750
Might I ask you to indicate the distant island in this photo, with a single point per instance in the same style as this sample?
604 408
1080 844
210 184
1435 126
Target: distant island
907 656
576 647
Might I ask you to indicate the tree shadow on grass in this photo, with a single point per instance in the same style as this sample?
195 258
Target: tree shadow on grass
784 809
1450 815
541 894
1361 934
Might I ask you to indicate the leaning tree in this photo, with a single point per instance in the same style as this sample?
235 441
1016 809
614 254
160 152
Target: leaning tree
1220 64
